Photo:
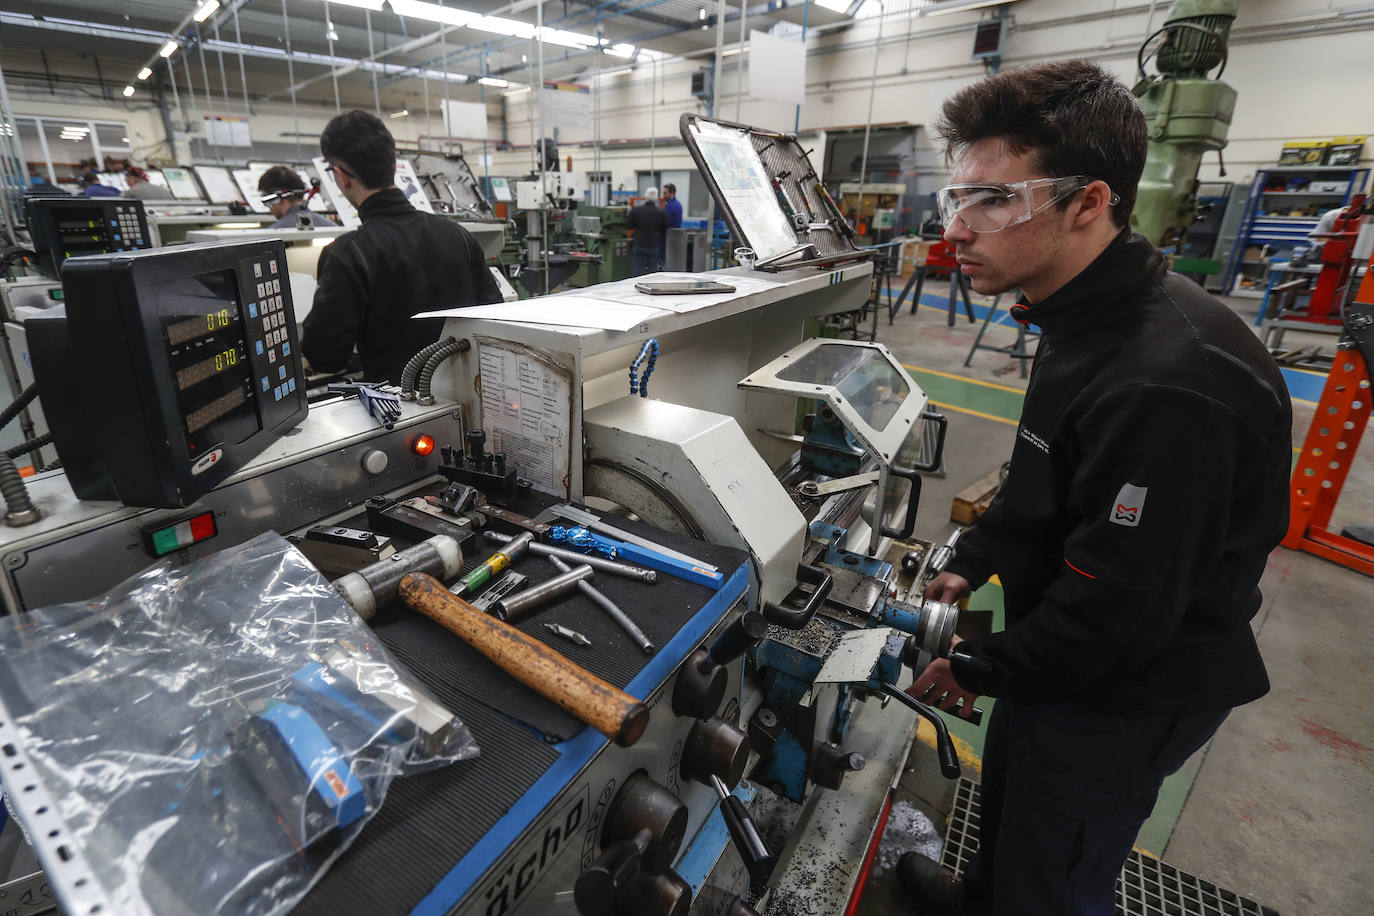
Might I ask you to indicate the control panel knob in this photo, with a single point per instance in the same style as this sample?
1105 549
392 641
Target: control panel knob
700 687
738 907
664 894
715 748
607 878
375 461
642 804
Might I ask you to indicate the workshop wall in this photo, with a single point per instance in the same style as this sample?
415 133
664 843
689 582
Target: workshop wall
921 62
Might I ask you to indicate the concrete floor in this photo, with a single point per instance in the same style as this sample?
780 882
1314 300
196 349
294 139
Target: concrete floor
1280 806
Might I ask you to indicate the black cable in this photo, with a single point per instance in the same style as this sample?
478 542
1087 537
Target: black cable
15 493
416 363
423 393
25 398
32 445
7 262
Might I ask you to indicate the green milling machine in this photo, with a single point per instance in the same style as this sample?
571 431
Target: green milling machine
1188 114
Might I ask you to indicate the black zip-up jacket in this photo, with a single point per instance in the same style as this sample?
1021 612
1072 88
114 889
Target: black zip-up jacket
1148 484
399 262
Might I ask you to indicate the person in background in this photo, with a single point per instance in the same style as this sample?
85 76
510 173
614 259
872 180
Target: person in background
283 190
399 262
91 186
648 223
1148 484
672 208
143 189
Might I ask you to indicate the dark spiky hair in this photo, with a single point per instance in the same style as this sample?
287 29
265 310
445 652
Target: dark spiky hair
1072 116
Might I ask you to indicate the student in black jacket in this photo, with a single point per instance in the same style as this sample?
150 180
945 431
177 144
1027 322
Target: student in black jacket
399 262
1148 484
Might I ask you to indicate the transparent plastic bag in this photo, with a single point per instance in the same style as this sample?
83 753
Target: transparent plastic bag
210 738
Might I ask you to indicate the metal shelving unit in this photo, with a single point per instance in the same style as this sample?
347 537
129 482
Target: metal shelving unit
1260 227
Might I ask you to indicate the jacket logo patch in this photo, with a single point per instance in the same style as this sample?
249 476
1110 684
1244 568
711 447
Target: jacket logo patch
1129 504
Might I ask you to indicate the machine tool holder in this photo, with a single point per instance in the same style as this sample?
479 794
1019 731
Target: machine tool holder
823 236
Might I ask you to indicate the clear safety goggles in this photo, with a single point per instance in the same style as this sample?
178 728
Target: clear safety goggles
993 207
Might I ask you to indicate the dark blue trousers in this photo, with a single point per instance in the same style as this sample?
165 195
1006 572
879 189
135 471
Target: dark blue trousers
643 261
1064 793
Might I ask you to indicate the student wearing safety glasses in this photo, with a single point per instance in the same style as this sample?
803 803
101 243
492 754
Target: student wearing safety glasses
1148 484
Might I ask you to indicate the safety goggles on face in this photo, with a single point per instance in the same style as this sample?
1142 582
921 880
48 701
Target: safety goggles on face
993 207
284 194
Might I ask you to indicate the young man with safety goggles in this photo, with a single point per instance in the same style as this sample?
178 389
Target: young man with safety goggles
1148 484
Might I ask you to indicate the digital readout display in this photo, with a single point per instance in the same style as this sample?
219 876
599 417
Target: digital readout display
83 232
208 353
206 368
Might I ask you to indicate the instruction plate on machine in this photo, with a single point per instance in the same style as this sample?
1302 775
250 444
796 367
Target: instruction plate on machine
526 411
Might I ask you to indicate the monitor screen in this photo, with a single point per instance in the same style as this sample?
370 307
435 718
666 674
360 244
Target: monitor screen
182 184
219 185
247 180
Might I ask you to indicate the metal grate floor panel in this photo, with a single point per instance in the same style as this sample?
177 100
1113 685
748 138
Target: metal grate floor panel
1147 887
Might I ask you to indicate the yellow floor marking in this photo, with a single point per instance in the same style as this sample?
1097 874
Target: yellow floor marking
974 413
964 378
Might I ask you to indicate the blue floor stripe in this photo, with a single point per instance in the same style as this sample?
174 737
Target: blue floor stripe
1303 385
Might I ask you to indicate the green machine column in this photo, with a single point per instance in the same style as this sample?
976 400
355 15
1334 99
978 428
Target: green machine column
1188 114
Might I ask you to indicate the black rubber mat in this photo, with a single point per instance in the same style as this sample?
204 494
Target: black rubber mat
1147 886
430 821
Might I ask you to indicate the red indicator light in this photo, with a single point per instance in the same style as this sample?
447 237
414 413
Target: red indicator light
422 445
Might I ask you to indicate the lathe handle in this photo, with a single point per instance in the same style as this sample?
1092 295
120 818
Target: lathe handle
796 619
944 745
913 502
609 710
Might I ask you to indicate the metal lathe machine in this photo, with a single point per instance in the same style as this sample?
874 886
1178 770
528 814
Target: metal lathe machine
731 505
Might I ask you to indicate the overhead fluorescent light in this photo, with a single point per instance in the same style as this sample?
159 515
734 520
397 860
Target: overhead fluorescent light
373 5
205 10
738 49
168 49
128 91
433 12
567 39
145 73
619 71
835 6
403 113
497 25
958 7
515 92
494 81
621 49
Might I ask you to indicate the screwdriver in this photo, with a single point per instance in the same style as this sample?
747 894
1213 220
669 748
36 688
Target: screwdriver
493 565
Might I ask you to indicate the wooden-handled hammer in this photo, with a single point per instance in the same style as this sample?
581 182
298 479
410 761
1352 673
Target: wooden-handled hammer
611 711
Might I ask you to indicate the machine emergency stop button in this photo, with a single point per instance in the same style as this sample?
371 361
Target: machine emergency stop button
375 461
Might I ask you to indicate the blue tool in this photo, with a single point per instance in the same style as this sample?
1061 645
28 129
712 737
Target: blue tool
327 774
589 541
